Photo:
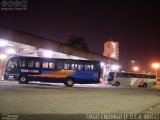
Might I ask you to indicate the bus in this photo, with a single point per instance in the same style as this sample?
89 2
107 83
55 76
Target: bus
67 71
131 79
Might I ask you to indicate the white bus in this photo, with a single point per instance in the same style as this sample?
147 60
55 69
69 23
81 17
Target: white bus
131 79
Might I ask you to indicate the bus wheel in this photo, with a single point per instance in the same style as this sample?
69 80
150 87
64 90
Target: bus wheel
69 82
145 85
117 84
23 80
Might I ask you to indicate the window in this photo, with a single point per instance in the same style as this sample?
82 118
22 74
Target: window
80 67
145 76
140 76
51 65
12 64
132 75
126 75
66 66
89 67
22 63
118 75
48 65
92 67
60 65
153 76
45 64
31 63
111 75
74 66
37 64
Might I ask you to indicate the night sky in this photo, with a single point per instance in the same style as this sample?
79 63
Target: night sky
135 24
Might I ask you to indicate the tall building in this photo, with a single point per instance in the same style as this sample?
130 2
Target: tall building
111 49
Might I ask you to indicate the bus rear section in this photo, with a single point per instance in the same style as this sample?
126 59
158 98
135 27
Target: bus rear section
69 72
131 79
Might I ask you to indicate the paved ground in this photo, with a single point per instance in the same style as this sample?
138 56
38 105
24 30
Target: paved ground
81 99
57 102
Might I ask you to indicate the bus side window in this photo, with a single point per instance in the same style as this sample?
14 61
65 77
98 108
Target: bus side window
22 63
87 67
120 74
51 65
129 75
60 66
31 63
111 75
140 76
116 75
67 66
80 67
124 75
45 64
92 67
153 76
74 66
37 64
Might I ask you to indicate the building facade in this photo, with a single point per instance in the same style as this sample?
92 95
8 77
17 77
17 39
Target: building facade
111 49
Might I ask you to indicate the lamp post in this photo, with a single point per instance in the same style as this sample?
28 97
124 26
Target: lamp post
132 65
156 66
132 61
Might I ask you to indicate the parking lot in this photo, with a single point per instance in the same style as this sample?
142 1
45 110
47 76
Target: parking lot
81 99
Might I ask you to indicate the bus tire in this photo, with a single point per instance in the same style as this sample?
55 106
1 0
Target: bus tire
69 82
145 84
23 80
117 84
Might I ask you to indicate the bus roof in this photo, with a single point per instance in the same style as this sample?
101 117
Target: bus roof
134 73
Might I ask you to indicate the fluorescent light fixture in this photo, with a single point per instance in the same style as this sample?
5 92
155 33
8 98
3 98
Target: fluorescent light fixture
3 43
3 56
115 67
10 51
47 53
102 64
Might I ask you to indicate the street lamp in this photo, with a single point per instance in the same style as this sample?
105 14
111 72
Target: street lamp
2 43
135 68
10 51
102 64
3 56
132 64
156 66
47 53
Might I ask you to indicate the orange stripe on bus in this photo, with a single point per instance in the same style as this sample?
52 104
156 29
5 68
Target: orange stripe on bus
58 74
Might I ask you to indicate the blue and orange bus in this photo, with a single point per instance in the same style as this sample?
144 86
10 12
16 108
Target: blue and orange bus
67 71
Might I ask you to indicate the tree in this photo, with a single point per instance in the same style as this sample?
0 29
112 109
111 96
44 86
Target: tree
77 42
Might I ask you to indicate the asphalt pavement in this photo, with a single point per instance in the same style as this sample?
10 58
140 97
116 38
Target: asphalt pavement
38 98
